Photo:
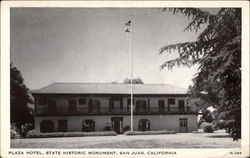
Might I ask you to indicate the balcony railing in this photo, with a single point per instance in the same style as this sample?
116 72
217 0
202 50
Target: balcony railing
117 111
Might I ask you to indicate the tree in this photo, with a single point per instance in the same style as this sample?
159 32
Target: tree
19 99
207 116
217 51
135 81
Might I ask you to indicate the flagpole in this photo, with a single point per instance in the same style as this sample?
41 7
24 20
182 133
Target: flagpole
131 69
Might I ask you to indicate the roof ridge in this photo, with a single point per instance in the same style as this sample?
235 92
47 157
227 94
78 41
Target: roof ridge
46 86
111 83
75 87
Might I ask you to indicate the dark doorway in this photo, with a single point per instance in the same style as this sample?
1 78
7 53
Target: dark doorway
141 106
51 106
117 124
46 126
144 125
62 125
116 105
161 104
94 106
181 105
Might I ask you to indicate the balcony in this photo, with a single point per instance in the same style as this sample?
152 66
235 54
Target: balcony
116 111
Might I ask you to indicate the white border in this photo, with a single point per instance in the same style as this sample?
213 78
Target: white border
5 74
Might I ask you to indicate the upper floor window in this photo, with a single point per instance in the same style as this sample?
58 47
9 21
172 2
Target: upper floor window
94 105
161 104
141 105
51 105
129 104
82 101
171 101
42 101
181 104
72 105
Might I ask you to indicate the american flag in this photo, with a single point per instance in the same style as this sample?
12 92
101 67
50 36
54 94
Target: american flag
127 26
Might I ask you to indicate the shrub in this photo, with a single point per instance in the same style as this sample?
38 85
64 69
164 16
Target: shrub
230 128
200 123
149 132
208 128
33 134
14 133
220 124
25 128
107 128
202 126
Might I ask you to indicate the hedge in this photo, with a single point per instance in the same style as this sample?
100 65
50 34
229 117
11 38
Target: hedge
33 134
150 132
208 128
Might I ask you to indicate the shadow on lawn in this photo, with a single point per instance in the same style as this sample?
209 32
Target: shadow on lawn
219 136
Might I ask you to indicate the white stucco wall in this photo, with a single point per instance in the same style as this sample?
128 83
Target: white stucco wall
157 122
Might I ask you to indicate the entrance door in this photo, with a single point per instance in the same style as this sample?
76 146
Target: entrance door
144 125
117 124
183 126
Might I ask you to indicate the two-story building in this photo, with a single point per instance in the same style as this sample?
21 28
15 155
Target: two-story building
74 107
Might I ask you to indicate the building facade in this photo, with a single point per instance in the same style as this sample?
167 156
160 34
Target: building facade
75 107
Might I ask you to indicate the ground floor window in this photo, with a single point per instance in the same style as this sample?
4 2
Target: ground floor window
88 126
144 125
62 125
46 126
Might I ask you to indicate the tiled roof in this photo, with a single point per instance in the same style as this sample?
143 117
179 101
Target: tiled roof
109 88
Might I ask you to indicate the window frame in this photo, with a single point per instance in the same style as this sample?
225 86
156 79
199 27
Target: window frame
90 122
143 122
62 129
82 101
94 106
141 105
171 103
161 107
72 107
52 105
45 101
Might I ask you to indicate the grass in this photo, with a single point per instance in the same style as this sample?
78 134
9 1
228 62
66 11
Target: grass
149 132
218 139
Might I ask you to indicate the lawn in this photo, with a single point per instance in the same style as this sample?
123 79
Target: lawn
218 139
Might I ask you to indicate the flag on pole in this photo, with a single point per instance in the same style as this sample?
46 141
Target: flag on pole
127 28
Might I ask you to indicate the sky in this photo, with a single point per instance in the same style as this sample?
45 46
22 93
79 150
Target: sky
90 45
